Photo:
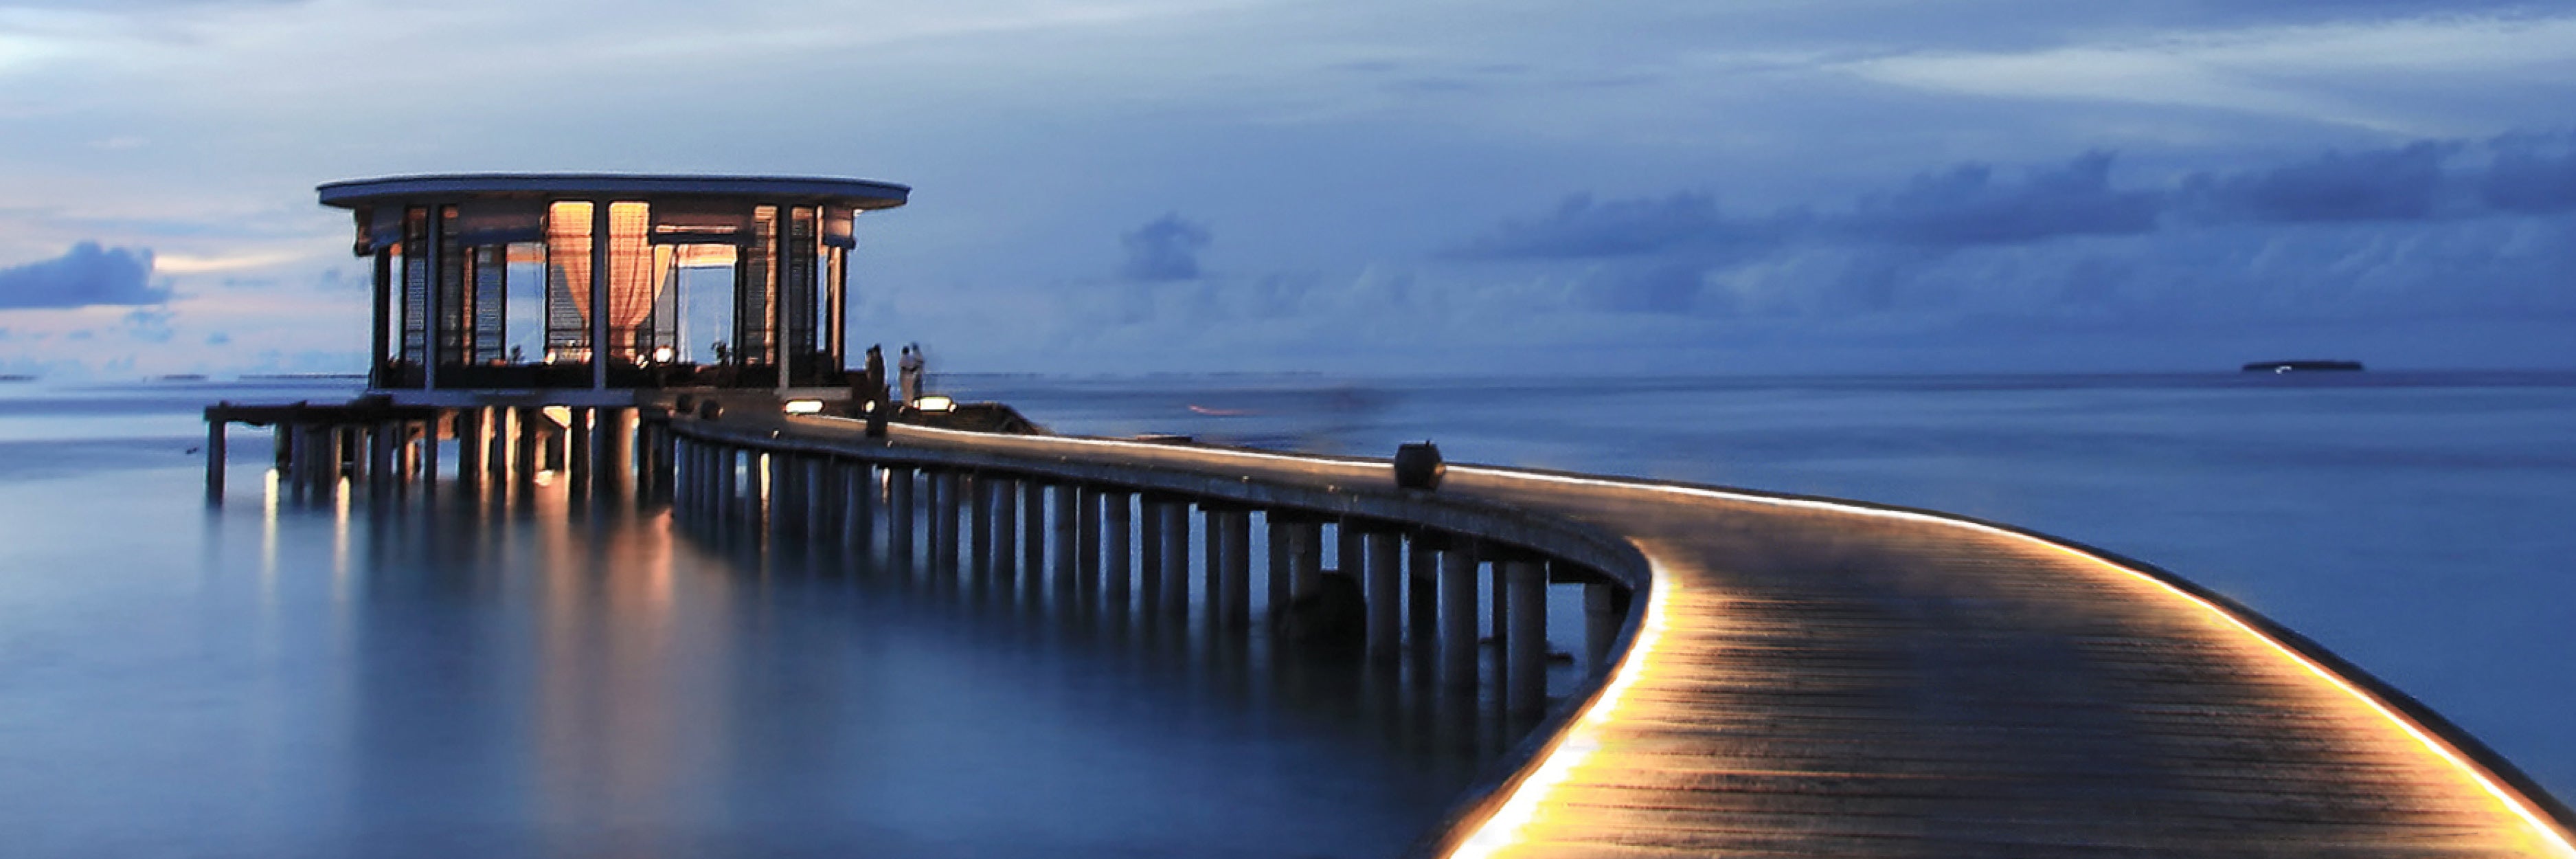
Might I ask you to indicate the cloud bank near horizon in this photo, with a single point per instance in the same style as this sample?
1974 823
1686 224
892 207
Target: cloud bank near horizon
85 276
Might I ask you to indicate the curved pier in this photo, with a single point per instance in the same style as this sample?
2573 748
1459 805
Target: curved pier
1782 676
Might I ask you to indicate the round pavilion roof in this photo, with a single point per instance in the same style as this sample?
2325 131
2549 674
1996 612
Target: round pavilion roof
452 187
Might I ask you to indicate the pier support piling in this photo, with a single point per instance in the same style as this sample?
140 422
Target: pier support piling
1176 558
1382 574
899 516
1525 649
215 460
1088 503
858 505
1150 545
1458 617
1237 578
1114 510
1006 529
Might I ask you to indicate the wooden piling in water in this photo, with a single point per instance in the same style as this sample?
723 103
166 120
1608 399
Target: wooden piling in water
1525 662
1458 616
899 516
1115 510
1382 574
215 431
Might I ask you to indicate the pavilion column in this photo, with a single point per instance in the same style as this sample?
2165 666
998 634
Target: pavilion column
780 348
1525 663
382 338
434 305
1382 570
599 280
1458 616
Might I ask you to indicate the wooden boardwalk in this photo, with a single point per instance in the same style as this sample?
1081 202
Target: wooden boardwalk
1824 679
1832 680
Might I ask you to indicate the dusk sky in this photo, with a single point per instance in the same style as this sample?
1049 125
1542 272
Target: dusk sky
1654 186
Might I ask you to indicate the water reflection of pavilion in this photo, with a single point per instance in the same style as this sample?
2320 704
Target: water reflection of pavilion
606 282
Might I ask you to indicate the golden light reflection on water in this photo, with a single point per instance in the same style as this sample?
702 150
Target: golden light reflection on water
268 502
623 727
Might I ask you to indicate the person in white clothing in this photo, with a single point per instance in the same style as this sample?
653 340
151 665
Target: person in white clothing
909 373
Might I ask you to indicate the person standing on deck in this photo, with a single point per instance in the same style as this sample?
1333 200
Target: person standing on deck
910 371
872 392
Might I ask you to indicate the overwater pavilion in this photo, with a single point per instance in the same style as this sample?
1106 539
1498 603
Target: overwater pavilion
594 287
542 320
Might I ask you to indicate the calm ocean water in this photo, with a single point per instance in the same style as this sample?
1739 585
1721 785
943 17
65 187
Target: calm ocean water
542 680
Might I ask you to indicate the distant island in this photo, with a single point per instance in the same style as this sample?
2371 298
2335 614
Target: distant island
14 377
2287 366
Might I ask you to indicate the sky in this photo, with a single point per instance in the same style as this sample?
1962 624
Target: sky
1492 187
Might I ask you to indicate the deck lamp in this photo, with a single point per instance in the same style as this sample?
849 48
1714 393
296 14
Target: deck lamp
934 403
804 407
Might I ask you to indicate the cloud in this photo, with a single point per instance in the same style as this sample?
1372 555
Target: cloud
149 324
2394 184
85 276
1164 249
1581 227
2327 72
1965 205
219 339
2532 174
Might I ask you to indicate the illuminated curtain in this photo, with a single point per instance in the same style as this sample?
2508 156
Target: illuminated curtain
567 277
